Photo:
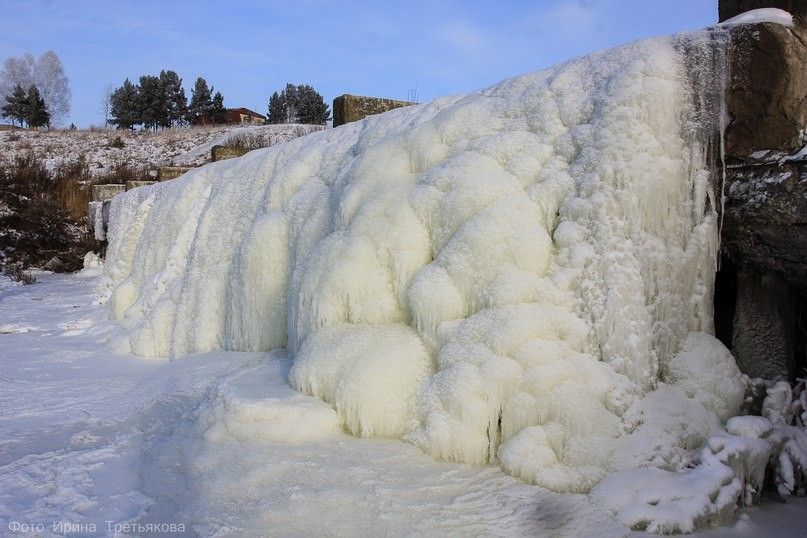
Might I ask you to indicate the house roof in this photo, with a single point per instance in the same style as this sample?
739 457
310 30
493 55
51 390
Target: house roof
247 112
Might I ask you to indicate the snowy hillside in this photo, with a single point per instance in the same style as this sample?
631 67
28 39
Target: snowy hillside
140 149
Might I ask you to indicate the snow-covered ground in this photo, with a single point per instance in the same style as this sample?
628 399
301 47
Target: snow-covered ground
141 149
220 444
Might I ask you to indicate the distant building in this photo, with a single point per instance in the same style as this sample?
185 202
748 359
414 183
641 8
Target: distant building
244 116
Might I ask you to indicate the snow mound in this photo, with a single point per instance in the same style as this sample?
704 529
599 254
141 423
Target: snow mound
729 471
757 16
749 426
503 277
15 328
655 500
247 408
705 369
93 261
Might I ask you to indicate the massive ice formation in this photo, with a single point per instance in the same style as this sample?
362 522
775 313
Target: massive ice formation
521 276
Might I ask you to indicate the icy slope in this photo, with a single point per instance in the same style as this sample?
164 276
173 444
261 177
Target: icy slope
500 277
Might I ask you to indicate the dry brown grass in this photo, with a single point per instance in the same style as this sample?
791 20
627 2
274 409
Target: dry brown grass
47 222
72 188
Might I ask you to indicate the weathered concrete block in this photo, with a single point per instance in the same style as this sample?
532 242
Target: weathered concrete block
172 172
221 153
134 184
105 192
348 108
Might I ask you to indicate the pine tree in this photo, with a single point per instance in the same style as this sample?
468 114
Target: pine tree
173 98
150 102
290 100
277 109
217 111
201 104
311 107
38 115
16 106
124 106
298 104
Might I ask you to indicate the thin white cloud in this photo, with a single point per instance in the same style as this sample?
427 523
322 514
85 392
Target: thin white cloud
573 16
463 36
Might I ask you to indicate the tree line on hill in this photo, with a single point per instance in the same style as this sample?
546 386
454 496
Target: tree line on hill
35 92
160 102
298 104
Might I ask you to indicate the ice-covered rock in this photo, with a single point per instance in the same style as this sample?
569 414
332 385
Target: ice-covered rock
519 276
730 470
749 426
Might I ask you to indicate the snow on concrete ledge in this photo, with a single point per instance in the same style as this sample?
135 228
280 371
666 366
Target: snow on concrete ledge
757 16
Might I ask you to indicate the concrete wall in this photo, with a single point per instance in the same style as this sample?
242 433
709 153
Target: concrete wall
348 108
172 172
134 184
105 192
221 153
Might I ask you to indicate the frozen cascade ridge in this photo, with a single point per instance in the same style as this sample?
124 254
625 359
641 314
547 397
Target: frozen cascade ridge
521 277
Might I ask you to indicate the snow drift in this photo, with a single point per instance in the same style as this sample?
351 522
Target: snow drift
521 276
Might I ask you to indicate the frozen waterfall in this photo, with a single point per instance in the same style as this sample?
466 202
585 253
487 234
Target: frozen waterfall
519 276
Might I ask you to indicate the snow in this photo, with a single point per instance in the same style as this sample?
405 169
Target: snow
217 442
220 443
662 502
749 426
757 16
705 370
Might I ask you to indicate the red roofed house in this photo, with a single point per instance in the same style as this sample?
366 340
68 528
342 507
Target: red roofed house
244 116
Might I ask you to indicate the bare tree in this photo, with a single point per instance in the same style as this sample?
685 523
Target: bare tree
47 74
54 86
106 102
17 71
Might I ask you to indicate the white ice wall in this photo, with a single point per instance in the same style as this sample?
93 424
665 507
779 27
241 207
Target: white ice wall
497 277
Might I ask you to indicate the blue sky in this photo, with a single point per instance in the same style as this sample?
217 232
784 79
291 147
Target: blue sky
247 49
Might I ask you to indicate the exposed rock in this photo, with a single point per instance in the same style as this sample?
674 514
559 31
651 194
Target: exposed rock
347 108
761 290
763 332
765 223
768 85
